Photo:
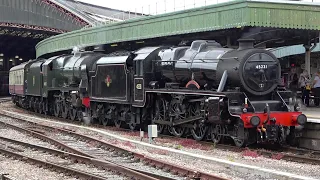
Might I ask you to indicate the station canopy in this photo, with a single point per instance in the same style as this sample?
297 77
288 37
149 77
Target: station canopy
24 23
270 23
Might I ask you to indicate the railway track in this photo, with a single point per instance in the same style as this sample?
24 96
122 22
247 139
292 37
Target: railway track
5 177
5 99
285 153
67 162
92 148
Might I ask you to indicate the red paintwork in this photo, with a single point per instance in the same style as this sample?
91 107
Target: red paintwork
282 118
16 89
193 82
11 89
86 102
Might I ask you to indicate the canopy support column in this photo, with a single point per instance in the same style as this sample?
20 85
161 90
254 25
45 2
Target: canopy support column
307 58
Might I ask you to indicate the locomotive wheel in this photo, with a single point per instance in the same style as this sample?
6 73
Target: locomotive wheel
36 106
106 121
79 114
160 114
30 106
44 105
239 142
101 114
241 134
177 131
216 132
64 110
132 126
56 108
199 129
73 113
117 123
41 107
180 113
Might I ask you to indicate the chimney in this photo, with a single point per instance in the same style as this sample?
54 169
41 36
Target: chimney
245 44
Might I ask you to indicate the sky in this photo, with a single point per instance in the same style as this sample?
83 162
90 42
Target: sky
136 5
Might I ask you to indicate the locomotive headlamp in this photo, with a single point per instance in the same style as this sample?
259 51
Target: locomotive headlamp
255 120
302 119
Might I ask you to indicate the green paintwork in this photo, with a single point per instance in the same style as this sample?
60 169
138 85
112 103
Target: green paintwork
232 14
66 72
34 79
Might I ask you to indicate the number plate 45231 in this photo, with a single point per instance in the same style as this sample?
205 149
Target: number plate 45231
261 66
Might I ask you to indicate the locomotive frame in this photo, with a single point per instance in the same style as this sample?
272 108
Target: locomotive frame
198 89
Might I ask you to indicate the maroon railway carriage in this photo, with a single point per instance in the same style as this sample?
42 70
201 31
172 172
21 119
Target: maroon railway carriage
17 81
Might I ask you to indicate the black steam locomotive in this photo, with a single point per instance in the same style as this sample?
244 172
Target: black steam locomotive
202 89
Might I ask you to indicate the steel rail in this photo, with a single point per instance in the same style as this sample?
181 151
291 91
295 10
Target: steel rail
146 175
172 167
4 177
52 165
88 160
46 138
283 154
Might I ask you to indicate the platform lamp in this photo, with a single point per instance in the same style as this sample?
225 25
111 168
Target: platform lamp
12 62
1 54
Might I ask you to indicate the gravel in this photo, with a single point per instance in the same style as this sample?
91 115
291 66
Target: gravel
83 146
59 161
196 148
249 158
16 135
20 170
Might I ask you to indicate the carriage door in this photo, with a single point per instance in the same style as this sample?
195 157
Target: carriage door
138 88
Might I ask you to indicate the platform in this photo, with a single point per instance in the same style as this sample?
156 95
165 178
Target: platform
311 133
313 114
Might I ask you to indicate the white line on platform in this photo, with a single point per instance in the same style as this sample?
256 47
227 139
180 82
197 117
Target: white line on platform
313 120
267 173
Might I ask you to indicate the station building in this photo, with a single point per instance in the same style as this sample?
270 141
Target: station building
24 23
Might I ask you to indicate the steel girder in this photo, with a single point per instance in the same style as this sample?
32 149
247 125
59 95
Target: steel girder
38 14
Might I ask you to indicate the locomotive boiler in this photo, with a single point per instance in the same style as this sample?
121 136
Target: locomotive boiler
203 90
255 71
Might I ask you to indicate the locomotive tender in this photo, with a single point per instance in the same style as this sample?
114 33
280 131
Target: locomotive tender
202 89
